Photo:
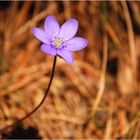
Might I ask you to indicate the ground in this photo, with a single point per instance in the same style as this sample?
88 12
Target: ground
96 97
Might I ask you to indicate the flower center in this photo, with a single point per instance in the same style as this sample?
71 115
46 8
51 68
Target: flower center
57 42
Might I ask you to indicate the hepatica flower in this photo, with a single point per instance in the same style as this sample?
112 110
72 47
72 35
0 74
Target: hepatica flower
58 40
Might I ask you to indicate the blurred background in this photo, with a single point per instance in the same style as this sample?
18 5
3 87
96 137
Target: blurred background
96 97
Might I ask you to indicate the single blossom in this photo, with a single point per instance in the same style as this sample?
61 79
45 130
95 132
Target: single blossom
60 40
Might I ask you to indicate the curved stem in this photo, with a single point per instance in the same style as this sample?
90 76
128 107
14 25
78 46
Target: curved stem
38 106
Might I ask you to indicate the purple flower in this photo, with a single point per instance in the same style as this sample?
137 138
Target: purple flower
60 40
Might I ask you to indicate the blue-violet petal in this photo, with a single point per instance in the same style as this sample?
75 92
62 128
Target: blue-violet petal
48 49
51 26
68 29
76 44
41 35
66 55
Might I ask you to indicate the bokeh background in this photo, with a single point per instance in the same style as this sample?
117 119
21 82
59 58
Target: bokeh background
96 97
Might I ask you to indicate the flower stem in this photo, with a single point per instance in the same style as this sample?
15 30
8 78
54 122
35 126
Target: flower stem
38 106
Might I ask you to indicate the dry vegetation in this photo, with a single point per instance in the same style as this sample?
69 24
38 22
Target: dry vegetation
96 97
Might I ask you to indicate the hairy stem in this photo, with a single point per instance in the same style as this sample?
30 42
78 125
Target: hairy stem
38 106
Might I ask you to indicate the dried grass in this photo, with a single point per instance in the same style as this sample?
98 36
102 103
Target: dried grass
96 97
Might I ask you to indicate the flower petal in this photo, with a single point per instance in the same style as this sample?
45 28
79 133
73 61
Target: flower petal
68 29
41 35
67 55
76 44
51 26
48 49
